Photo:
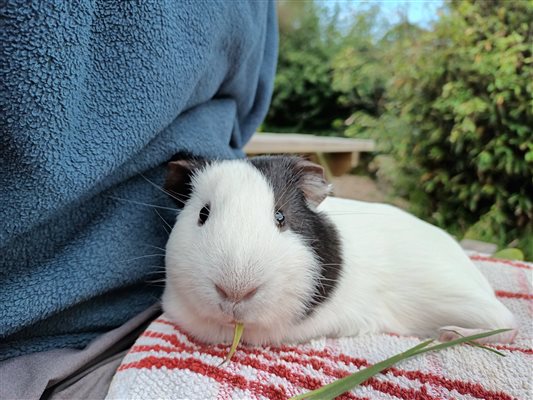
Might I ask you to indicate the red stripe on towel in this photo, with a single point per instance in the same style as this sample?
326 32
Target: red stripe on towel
462 387
517 264
219 374
512 295
317 364
292 376
250 359
510 348
387 387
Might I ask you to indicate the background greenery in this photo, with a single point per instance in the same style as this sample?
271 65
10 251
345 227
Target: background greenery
450 105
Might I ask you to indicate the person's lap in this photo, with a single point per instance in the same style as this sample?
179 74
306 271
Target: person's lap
70 373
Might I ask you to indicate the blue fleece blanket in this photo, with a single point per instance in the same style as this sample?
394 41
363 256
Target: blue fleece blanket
96 96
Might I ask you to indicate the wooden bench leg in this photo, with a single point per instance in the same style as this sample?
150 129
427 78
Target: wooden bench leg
341 163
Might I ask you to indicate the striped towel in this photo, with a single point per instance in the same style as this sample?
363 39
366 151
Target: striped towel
166 363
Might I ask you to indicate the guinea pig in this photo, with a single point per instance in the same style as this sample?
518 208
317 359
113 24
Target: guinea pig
260 242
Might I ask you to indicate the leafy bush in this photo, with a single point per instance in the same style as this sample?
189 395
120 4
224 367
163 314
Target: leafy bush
465 109
304 99
314 92
453 103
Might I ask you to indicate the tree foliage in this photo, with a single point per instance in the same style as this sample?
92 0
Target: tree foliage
314 56
453 103
465 102
304 99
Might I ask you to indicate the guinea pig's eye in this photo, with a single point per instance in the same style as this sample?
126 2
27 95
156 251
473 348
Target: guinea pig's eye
204 214
280 218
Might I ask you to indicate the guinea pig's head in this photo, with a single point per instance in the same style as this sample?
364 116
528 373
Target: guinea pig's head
248 244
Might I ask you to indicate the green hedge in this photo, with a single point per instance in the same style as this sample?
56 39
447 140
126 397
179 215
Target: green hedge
453 103
465 103
315 57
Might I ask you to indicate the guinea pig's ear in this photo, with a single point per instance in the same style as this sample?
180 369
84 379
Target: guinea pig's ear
312 182
179 175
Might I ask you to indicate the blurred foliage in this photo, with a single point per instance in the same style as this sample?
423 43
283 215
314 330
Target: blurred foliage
466 99
452 103
309 95
304 98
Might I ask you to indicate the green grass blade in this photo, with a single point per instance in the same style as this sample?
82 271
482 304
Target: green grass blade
342 385
487 348
464 339
239 329
480 345
349 382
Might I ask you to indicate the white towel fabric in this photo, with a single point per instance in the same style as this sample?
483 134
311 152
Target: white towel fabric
166 363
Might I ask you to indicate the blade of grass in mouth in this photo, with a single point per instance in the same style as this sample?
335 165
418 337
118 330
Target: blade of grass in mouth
237 334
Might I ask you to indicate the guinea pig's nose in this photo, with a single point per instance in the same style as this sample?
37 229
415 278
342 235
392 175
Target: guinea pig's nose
235 295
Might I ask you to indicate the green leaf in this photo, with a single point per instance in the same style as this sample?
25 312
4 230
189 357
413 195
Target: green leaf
509 254
484 161
349 382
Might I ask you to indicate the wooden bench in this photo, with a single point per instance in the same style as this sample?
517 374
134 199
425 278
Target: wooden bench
338 155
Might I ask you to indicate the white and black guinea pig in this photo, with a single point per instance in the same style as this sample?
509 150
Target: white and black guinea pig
260 242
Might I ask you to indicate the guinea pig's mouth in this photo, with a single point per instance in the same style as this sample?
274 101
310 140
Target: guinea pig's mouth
230 322
233 323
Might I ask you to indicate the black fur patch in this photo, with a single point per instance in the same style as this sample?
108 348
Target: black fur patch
181 168
317 230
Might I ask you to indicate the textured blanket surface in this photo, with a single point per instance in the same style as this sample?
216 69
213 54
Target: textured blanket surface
95 93
166 363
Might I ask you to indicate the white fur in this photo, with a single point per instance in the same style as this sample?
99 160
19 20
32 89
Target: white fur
400 274
239 247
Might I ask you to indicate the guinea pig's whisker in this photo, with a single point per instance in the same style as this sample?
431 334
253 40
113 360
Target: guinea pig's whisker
333 267
142 204
323 278
285 190
155 247
300 297
159 272
287 186
165 229
146 256
165 222
156 284
175 196
165 251
283 205
173 254
334 213
157 267
156 280
278 206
